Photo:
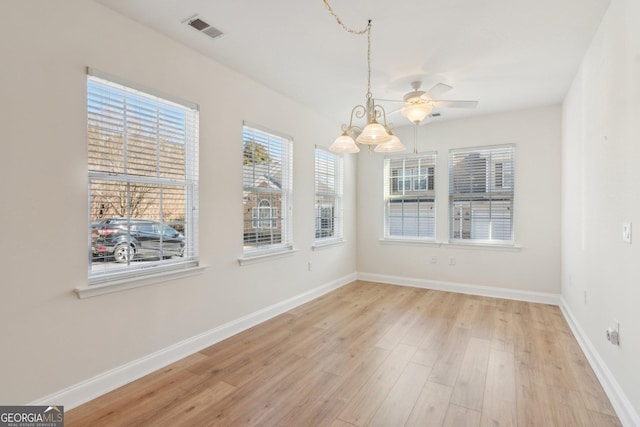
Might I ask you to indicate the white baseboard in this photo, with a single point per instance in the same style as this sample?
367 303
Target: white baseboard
462 288
91 388
619 400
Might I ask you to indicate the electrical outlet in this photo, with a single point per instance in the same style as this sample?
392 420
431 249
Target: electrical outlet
310 266
626 232
434 259
613 333
452 260
613 336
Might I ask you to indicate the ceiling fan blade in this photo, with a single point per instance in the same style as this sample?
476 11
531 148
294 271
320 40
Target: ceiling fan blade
455 104
389 100
436 91
397 110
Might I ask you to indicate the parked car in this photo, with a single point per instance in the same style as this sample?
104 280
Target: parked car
128 239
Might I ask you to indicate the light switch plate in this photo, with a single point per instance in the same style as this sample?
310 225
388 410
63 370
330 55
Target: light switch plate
626 232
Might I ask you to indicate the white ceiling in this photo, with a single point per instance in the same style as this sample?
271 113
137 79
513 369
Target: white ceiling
506 54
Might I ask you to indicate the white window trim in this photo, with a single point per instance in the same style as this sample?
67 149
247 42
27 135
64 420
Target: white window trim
480 243
409 239
152 273
262 255
327 242
338 196
137 282
272 251
452 245
483 245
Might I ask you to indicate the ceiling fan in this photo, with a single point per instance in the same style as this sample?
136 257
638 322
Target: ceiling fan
419 103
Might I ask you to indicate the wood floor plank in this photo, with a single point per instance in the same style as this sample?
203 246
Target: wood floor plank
397 406
469 387
366 402
532 400
192 409
354 380
431 406
445 370
371 353
586 381
482 324
458 416
317 413
568 408
602 420
499 405
503 331
399 331
436 332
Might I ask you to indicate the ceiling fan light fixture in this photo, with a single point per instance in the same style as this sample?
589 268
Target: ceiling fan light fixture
416 112
373 133
344 144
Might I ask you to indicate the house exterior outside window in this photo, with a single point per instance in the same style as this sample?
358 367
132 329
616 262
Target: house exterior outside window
409 196
328 196
481 193
267 185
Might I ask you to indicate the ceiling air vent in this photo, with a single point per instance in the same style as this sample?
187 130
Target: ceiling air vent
204 27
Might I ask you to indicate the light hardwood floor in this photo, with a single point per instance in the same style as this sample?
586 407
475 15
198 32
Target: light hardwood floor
371 354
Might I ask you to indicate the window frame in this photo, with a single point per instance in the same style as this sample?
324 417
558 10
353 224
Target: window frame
495 192
280 187
396 180
329 187
114 278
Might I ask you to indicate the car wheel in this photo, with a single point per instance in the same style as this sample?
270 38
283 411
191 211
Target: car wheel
123 253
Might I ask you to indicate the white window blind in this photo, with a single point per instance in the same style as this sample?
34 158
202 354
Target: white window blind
267 184
143 182
328 196
481 191
410 196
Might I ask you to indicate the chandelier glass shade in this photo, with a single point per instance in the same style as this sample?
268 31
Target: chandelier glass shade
373 133
393 146
344 144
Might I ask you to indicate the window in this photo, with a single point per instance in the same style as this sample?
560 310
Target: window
264 216
410 196
267 180
143 181
481 188
328 204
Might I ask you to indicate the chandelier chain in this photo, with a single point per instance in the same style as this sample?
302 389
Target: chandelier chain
366 31
339 21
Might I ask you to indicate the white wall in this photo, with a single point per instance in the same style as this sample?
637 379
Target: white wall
533 268
600 174
50 338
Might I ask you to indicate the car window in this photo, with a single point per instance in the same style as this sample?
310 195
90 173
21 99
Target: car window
146 228
169 232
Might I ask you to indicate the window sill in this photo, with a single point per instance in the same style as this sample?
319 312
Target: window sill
420 242
325 244
248 260
136 282
483 246
452 245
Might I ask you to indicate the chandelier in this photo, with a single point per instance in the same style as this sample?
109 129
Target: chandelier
373 133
